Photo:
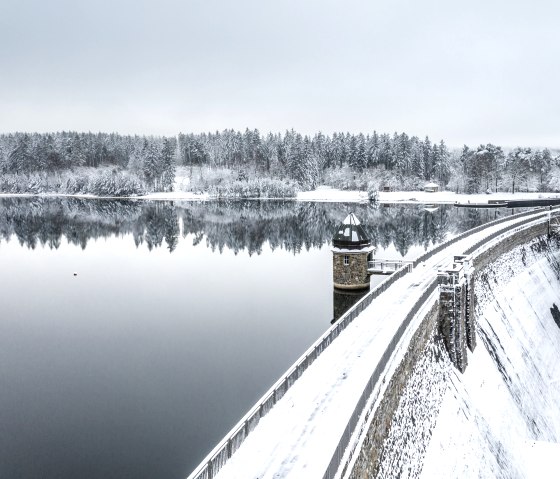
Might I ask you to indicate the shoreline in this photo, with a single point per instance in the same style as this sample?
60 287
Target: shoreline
320 195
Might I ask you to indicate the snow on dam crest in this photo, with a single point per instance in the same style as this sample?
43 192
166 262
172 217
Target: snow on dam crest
501 417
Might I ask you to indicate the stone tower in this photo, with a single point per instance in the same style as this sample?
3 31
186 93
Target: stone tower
351 252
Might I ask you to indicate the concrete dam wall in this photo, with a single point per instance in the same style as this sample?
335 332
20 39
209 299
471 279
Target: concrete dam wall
501 417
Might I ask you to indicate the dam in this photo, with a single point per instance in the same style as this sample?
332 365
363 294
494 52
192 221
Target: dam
386 399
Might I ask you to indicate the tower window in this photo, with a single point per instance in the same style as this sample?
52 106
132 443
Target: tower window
346 260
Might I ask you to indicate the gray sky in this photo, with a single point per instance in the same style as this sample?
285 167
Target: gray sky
466 72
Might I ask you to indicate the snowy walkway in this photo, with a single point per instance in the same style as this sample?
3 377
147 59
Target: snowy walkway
298 436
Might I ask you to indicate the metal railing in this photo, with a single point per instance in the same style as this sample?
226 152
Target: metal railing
233 440
494 235
388 265
436 249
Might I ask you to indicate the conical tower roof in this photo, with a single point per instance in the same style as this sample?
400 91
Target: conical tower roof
350 234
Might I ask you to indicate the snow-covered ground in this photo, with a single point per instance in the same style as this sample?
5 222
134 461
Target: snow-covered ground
176 195
450 197
327 194
334 195
299 435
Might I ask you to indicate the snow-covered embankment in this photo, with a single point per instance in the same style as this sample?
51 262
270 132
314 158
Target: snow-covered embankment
501 418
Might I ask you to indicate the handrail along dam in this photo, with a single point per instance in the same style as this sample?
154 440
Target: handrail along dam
335 412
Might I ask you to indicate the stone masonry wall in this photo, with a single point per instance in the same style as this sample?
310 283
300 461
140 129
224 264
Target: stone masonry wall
508 244
367 463
354 273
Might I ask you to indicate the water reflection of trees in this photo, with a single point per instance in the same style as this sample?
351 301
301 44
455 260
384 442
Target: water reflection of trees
237 226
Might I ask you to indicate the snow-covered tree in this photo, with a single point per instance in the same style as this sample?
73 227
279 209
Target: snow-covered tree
167 167
150 164
517 166
470 173
487 165
442 165
20 159
541 165
554 179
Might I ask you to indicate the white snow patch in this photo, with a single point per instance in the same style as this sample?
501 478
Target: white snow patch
443 197
333 195
500 418
176 195
440 197
542 460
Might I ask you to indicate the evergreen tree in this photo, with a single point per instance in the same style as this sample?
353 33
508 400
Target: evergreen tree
385 156
442 163
401 153
360 161
20 159
416 157
470 178
372 151
150 164
352 151
167 167
76 154
427 160
339 149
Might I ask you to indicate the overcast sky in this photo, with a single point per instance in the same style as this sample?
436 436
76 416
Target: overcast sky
467 72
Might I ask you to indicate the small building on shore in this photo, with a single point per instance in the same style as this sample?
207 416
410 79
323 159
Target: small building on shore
351 250
431 187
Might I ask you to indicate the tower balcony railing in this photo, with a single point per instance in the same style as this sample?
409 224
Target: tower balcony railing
388 266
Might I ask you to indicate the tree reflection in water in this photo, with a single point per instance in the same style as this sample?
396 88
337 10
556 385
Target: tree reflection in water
234 225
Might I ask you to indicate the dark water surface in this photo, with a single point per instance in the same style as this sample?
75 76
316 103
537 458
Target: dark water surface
179 318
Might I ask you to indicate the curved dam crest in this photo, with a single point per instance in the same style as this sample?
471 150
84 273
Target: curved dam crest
500 418
386 399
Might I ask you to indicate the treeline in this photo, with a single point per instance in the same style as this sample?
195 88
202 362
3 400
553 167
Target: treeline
305 159
489 169
235 226
249 164
398 162
127 165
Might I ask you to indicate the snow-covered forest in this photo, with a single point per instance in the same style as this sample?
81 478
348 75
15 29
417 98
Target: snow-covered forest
248 164
237 226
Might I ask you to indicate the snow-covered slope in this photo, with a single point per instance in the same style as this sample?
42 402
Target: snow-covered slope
501 418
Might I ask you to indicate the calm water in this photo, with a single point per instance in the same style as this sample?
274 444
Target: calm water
179 318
